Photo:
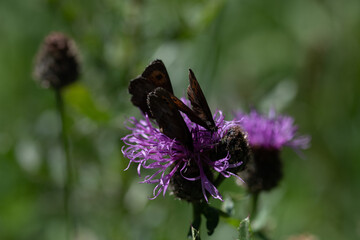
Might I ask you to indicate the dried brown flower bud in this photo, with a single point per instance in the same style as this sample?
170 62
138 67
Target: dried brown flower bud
264 170
57 62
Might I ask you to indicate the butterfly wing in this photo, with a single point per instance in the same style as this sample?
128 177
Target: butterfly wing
157 74
199 103
190 113
154 75
168 117
139 88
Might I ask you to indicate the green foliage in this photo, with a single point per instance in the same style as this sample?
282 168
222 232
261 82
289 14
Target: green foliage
301 57
212 218
245 232
195 235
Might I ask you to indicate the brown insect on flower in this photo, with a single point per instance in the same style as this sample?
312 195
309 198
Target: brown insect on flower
190 147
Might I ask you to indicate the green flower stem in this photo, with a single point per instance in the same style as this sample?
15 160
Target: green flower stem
68 180
254 205
197 209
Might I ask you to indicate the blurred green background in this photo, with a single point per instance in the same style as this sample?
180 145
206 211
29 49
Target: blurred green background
300 56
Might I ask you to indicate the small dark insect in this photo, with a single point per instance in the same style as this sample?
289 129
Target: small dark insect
153 94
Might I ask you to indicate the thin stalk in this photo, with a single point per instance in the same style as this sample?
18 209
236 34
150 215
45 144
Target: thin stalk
68 179
197 209
254 204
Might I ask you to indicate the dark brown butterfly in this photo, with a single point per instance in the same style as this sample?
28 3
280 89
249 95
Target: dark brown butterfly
152 92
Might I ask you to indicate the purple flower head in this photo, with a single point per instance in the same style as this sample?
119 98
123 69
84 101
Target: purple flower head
267 135
150 149
272 131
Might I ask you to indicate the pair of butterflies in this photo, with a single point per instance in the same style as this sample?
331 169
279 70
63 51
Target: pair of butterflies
152 92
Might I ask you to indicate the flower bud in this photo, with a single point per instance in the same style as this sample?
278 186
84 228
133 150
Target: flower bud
57 62
267 136
264 170
236 144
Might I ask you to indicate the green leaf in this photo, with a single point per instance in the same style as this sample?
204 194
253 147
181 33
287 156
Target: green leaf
212 218
232 222
195 234
195 225
79 98
245 232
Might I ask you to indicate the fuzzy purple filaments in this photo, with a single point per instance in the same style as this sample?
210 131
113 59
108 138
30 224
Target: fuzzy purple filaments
272 131
150 149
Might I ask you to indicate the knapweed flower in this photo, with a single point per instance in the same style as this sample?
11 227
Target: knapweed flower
57 62
267 135
191 174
